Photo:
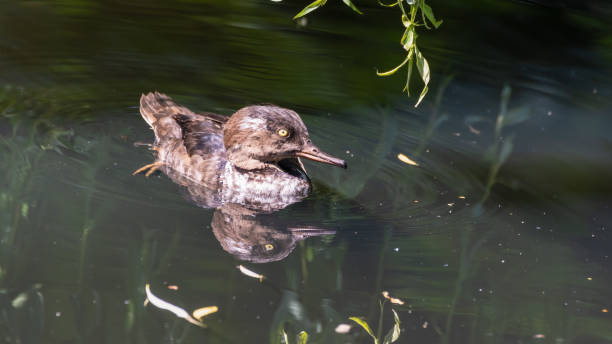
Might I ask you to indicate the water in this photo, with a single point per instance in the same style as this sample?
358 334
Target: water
526 260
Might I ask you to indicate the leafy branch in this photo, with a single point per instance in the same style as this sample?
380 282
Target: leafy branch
318 3
410 21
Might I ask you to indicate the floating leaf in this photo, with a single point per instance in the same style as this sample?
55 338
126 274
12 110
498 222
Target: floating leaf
385 294
350 4
204 311
365 326
20 300
343 328
302 337
408 161
394 333
250 273
178 311
313 6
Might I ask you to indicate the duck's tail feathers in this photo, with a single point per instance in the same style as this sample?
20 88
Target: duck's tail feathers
155 106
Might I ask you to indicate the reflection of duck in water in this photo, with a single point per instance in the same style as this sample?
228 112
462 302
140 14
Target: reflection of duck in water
251 158
247 231
245 236
242 165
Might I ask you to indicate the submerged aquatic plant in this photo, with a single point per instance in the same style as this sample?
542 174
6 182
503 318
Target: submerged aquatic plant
393 334
410 21
301 338
502 145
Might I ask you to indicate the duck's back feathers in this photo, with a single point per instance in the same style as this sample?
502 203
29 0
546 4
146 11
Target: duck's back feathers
171 121
155 106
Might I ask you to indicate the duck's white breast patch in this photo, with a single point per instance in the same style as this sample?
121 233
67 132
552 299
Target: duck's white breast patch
270 189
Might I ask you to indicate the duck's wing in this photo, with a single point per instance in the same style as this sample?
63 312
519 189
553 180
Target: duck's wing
201 134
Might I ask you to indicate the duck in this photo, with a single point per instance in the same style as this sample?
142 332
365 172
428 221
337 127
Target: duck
251 158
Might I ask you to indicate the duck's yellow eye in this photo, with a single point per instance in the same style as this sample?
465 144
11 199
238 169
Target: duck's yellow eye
283 132
269 247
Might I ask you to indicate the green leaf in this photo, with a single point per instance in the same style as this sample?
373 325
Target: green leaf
407 87
285 337
428 12
408 38
365 326
422 66
302 337
392 71
313 6
406 21
350 4
423 93
389 5
394 333
422 3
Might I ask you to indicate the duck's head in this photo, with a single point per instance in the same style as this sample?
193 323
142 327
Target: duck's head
262 135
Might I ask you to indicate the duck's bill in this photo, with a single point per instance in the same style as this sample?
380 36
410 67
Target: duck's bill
307 232
315 154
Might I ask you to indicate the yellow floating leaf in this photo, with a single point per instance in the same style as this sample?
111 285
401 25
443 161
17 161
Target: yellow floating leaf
204 311
406 160
393 300
474 130
250 273
178 311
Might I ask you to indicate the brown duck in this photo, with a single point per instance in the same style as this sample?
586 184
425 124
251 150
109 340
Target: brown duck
251 158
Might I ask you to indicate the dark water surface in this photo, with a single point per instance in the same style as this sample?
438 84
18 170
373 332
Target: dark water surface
525 260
